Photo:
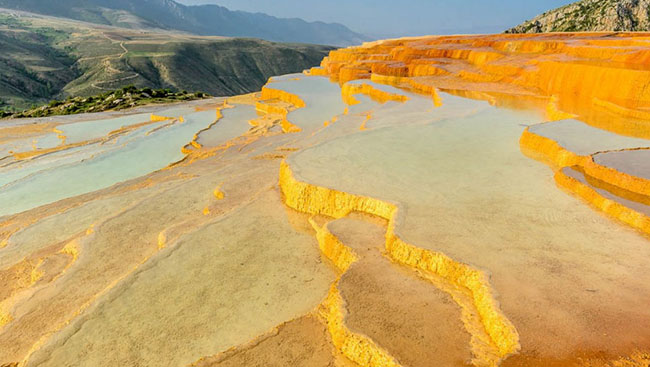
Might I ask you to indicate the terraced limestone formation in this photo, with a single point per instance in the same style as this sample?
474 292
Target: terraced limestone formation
382 210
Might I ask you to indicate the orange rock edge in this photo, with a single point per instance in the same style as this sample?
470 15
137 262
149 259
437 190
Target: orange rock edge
316 200
598 78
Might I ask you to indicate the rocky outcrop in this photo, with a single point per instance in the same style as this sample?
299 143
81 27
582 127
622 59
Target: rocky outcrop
591 15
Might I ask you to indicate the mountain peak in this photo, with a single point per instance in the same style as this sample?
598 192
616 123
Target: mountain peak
206 20
591 16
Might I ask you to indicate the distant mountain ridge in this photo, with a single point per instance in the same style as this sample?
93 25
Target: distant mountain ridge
46 58
212 20
591 15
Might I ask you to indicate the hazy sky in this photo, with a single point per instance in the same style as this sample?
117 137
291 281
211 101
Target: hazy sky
387 18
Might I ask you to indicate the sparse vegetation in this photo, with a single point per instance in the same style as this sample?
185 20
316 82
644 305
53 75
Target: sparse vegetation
126 97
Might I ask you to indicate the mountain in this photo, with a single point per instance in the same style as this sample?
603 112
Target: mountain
591 15
46 58
208 20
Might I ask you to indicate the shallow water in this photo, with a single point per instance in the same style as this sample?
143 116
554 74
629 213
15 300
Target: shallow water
594 184
233 124
583 139
51 161
632 162
322 98
466 190
139 157
48 141
89 130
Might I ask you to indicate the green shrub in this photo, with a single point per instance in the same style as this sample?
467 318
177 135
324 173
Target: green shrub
130 89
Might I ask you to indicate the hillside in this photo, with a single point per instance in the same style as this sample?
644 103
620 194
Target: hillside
208 20
591 15
48 58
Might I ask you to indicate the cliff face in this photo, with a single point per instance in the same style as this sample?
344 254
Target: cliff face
591 15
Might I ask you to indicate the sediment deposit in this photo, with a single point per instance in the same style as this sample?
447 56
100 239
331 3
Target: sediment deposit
447 201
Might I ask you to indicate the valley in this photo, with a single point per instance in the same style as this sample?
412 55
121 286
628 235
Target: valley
49 58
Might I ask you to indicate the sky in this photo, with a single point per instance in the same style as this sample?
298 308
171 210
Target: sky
393 18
